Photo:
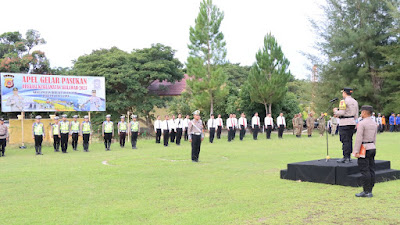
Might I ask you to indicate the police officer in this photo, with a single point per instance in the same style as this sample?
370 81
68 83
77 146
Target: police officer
38 134
255 124
348 114
108 132
3 137
294 124
86 132
196 135
15 101
334 124
179 129
300 124
94 102
55 132
242 126
158 129
268 123
321 124
122 130
310 124
65 128
134 131
74 133
211 125
366 137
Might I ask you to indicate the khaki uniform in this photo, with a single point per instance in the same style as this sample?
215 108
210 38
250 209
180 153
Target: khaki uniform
300 124
196 135
310 125
3 138
294 123
334 124
321 125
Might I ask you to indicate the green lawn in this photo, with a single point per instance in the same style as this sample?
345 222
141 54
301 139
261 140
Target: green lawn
235 183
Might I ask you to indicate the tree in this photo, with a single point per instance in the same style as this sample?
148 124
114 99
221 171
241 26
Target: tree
33 39
267 82
351 36
128 76
207 52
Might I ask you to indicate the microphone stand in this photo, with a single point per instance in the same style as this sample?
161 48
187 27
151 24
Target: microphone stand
326 131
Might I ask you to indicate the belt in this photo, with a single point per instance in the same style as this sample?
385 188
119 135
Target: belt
197 133
123 131
369 142
345 117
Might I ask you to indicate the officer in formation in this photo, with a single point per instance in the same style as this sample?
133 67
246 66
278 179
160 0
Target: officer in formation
65 128
38 134
255 124
122 131
321 124
281 123
220 125
172 132
300 124
185 127
134 131
108 132
242 126
211 125
179 129
310 124
196 135
366 138
334 124
86 132
3 137
294 124
166 129
15 101
55 132
268 123
74 133
235 125
158 129
229 127
348 114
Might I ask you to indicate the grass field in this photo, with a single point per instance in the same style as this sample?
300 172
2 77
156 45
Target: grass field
234 183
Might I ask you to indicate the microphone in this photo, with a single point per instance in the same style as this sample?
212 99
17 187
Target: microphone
333 100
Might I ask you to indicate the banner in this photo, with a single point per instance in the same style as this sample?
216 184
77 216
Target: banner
48 93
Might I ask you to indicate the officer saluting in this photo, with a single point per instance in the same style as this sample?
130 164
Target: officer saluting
3 137
86 131
366 137
348 114
196 135
134 130
108 132
38 134
55 131
75 132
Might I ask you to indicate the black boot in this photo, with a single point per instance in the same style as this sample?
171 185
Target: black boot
40 150
37 150
364 195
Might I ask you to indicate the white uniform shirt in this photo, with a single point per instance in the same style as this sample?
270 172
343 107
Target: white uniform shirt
235 122
165 125
255 121
229 122
179 123
212 123
172 125
242 122
281 121
220 122
186 123
268 121
157 125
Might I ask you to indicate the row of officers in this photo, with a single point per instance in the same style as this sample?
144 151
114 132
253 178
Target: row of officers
62 130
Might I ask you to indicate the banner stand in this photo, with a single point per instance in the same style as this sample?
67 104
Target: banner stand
22 131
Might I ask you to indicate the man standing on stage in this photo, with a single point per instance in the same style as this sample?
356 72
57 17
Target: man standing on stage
122 130
108 132
75 132
211 125
38 134
348 114
3 137
242 126
310 124
166 129
86 131
366 138
65 128
220 125
158 129
281 123
255 124
134 131
185 127
196 135
268 123
55 132
229 127
179 129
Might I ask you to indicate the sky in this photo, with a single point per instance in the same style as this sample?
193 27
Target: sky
74 28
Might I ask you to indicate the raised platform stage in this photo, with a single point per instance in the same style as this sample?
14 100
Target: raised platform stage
331 172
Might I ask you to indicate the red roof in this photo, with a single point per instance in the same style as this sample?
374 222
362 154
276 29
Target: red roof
166 88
